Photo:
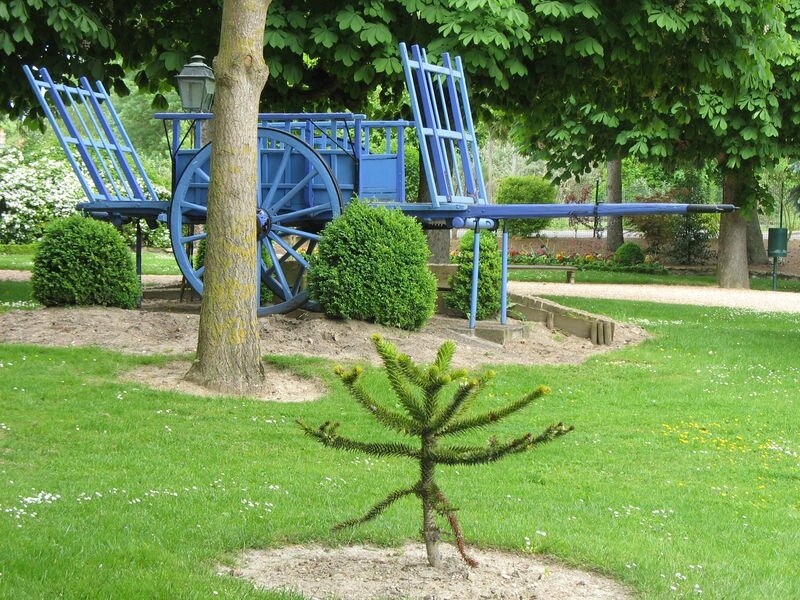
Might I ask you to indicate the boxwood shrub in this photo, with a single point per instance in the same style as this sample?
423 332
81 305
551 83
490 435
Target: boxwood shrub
458 298
82 261
629 254
529 189
372 265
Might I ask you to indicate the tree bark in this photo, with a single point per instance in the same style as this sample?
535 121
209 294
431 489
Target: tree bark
756 252
614 237
439 246
438 239
732 267
228 349
429 530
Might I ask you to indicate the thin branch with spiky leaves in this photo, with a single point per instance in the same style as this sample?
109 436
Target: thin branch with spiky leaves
383 415
493 416
419 391
326 434
376 509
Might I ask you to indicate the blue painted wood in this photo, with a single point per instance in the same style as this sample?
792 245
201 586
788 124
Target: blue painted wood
347 143
95 143
443 119
504 276
473 296
289 218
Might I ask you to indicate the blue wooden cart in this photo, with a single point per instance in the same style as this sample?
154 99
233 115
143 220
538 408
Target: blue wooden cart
311 165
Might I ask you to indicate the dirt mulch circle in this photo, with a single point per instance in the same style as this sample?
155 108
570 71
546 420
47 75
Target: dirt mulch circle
370 573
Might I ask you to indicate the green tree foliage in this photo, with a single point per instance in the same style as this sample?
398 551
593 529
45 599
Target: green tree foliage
334 54
683 82
419 408
683 239
82 261
528 189
372 265
458 298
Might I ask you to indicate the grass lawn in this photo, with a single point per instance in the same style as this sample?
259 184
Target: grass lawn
16 295
681 478
154 261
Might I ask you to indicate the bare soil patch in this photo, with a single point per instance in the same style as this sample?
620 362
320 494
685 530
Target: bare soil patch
281 386
370 573
158 332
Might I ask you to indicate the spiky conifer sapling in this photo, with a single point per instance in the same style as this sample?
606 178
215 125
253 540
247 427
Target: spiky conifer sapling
430 418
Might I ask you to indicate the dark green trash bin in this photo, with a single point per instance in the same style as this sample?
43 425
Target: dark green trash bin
777 241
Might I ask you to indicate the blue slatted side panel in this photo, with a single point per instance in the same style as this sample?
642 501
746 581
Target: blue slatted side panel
94 140
443 118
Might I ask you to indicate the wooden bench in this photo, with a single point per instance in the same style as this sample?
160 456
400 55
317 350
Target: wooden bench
569 269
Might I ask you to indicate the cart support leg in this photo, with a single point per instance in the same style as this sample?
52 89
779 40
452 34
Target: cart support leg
139 260
476 255
504 277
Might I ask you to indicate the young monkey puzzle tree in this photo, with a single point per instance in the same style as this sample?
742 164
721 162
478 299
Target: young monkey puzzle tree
431 419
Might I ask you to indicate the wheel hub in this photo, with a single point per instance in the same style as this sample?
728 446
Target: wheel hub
264 223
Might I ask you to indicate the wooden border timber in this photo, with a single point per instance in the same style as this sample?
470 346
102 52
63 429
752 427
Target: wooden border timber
598 329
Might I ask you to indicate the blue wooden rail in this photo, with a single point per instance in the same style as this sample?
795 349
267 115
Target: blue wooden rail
98 148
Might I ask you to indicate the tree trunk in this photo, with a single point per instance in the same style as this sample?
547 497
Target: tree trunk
438 239
429 530
439 245
732 267
228 349
614 237
756 252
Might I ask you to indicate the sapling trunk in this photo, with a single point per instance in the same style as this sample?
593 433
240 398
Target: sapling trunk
430 532
431 420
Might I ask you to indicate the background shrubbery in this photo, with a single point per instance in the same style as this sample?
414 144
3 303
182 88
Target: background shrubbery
458 298
371 265
530 189
629 254
33 190
82 261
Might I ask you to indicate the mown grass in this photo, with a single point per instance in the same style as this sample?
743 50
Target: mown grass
681 478
16 295
154 261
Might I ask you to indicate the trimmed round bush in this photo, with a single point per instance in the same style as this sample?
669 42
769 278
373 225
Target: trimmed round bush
629 254
458 298
82 261
372 265
529 189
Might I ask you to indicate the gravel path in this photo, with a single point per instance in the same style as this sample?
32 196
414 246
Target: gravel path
788 302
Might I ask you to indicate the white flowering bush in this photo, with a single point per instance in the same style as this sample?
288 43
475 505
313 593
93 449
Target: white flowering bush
33 191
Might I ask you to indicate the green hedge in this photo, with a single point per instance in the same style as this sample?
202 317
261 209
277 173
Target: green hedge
82 261
629 254
372 265
458 298
526 190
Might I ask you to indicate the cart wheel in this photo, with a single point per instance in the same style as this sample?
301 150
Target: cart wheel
296 197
